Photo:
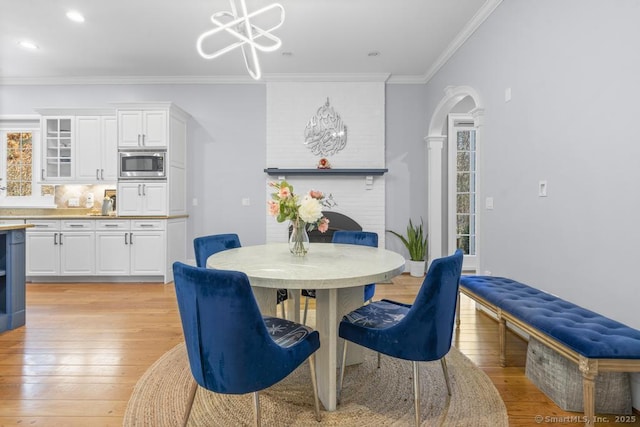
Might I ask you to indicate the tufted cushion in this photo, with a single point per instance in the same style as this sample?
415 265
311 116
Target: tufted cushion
586 332
378 315
284 332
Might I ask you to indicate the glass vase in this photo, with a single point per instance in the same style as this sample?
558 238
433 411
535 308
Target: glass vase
299 239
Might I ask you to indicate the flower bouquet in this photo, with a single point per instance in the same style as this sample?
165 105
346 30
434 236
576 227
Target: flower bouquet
305 214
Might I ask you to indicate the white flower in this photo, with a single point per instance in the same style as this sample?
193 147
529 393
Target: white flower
310 209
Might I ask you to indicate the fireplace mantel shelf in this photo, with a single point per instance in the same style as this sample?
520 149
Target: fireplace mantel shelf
359 172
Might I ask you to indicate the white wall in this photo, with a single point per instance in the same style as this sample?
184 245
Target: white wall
361 106
572 68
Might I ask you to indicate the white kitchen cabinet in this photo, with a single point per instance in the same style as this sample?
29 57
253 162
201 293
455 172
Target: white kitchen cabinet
135 249
96 149
57 148
77 253
60 248
43 253
112 247
148 198
142 128
147 253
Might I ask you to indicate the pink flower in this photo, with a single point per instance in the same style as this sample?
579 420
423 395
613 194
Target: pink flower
284 192
274 208
323 225
316 194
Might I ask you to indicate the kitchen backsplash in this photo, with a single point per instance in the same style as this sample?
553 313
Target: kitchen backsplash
79 196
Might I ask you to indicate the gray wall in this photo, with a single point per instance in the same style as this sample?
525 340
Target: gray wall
572 66
227 147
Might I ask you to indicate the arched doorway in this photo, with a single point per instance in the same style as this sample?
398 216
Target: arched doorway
460 105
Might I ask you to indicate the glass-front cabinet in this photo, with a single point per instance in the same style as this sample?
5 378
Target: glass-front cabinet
58 148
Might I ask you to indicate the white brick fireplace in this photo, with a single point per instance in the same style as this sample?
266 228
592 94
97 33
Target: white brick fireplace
361 105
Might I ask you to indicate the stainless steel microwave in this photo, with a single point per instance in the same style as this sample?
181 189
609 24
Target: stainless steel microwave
142 164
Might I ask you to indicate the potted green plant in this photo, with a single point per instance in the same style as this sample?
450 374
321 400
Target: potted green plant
416 243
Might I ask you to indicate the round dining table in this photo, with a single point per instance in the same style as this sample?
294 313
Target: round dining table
338 273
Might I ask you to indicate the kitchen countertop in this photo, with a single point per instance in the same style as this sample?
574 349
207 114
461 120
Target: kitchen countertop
14 227
23 213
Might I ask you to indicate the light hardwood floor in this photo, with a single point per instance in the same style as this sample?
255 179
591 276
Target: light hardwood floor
85 346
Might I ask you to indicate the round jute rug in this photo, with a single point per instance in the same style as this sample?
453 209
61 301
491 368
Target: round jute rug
370 397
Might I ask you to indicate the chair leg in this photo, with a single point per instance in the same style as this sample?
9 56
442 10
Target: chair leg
443 362
306 306
284 315
312 365
256 409
416 392
192 396
378 360
342 366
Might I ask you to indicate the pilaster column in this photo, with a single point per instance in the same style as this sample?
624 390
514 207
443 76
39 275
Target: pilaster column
435 224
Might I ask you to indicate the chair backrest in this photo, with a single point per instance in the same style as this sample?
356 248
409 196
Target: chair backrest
206 246
364 238
432 314
229 347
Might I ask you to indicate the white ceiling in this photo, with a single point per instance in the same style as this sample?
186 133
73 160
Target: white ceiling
156 39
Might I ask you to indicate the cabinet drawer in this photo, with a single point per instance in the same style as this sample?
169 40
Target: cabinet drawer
145 224
113 224
82 224
43 225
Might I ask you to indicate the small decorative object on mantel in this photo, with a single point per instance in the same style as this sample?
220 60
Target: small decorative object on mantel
304 215
323 163
325 133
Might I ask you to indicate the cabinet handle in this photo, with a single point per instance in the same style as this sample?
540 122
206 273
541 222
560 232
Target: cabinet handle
42 174
102 174
75 225
97 173
144 189
138 139
139 193
131 238
125 239
146 225
143 140
60 239
111 225
55 238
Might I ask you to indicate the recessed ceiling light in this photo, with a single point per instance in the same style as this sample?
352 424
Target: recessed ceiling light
28 45
75 16
373 53
287 53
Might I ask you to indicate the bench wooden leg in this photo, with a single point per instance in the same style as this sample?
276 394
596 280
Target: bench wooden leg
458 312
589 369
502 336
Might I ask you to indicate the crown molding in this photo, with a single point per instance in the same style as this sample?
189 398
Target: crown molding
123 80
481 15
310 77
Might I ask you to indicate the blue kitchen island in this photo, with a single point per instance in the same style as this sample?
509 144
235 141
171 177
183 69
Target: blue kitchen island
12 276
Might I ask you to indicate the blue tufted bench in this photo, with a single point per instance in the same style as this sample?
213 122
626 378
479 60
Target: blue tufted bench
594 342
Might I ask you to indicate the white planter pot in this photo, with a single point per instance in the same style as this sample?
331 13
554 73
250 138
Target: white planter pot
416 268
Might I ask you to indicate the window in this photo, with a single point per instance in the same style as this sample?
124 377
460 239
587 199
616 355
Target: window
18 159
463 187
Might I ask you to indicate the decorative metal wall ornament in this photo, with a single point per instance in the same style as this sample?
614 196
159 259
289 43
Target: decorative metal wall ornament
241 27
325 133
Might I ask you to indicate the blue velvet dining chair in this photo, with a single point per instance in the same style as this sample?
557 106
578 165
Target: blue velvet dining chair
205 246
364 238
232 348
418 332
